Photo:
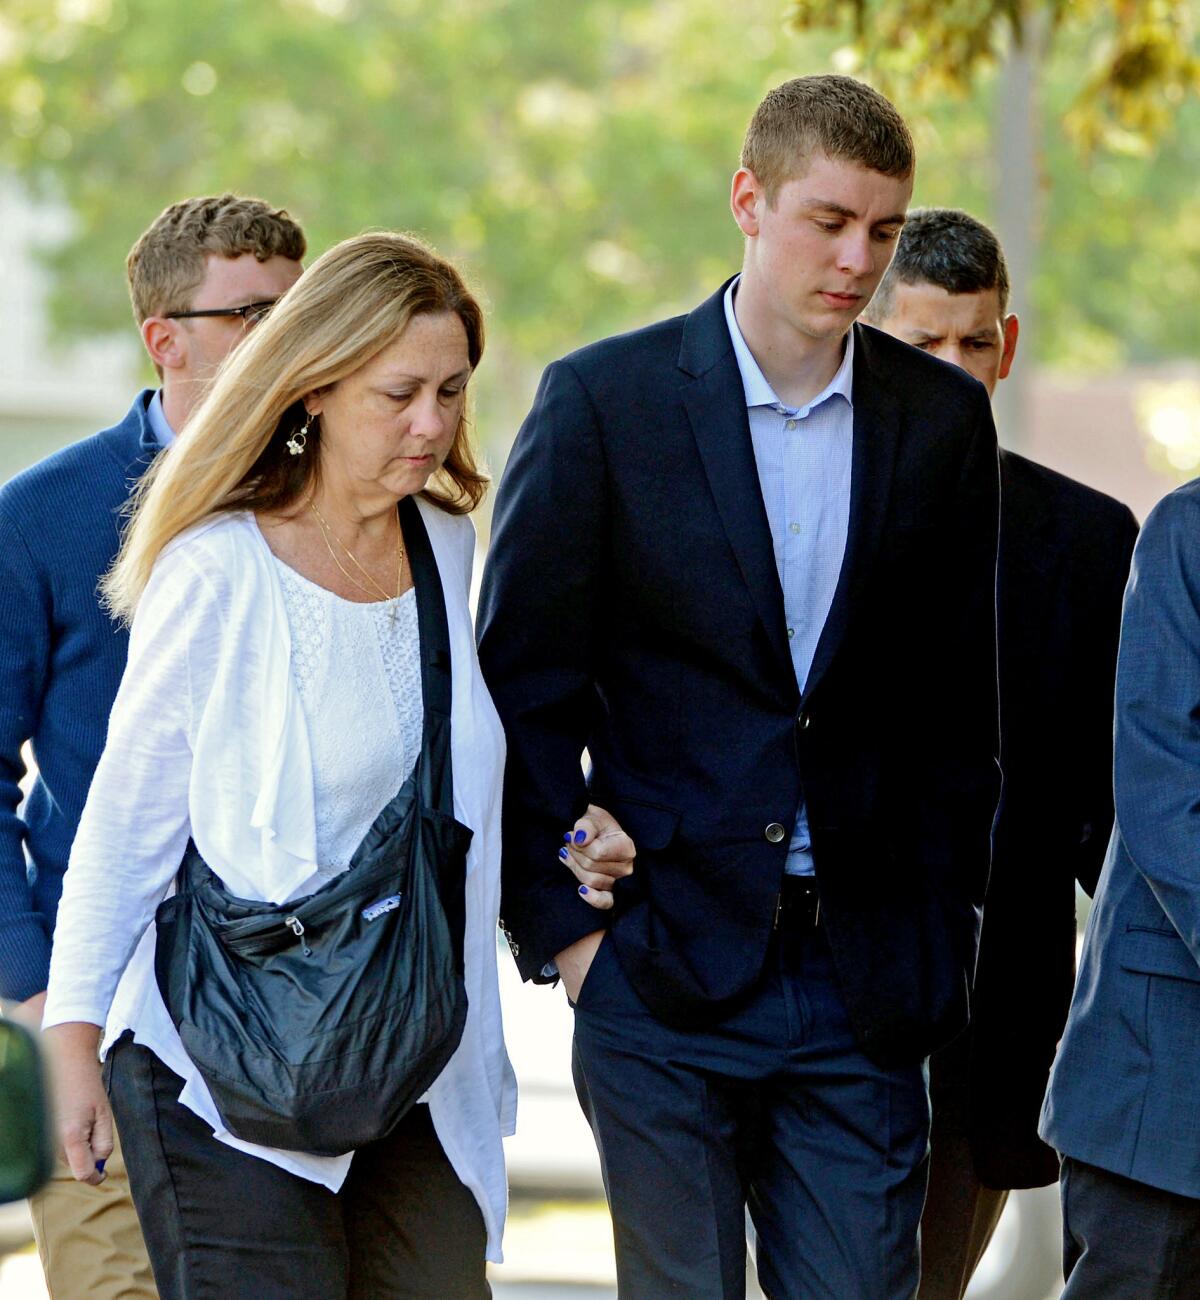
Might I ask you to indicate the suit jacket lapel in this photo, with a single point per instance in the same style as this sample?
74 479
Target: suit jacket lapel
873 458
716 408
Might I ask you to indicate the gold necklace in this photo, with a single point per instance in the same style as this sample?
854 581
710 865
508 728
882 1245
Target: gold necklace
376 589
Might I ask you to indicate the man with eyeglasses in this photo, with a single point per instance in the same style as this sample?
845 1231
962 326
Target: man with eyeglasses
200 277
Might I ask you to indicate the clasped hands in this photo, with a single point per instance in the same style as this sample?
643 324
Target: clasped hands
598 853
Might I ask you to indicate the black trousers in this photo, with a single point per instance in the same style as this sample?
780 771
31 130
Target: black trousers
776 1110
1125 1240
223 1225
960 1214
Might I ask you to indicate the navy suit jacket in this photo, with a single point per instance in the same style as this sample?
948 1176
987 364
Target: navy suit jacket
1064 560
1125 1090
631 607
61 660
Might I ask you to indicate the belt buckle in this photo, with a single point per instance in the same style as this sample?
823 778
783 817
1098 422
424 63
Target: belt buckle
814 916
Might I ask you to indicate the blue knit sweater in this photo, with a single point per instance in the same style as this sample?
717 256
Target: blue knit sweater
61 659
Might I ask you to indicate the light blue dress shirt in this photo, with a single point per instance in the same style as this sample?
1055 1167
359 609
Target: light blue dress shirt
803 458
164 435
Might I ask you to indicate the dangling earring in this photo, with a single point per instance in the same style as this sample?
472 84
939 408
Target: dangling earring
299 440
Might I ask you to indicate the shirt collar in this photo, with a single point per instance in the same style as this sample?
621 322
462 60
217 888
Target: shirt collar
164 435
759 392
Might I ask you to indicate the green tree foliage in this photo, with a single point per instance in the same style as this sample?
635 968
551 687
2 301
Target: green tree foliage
1140 66
576 157
1117 216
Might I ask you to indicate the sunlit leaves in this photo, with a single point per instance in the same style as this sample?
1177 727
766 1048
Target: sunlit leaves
1141 66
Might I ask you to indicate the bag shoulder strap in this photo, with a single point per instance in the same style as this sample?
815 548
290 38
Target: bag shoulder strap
437 780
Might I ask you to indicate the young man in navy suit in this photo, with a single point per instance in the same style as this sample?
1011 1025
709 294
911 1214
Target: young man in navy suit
199 277
1064 559
746 559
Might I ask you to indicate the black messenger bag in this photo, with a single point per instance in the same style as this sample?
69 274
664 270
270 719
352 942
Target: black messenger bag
317 1023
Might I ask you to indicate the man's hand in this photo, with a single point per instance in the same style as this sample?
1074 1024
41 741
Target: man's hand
29 1013
85 1123
574 962
598 852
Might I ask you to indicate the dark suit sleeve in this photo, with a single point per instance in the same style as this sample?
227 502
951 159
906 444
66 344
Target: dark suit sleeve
542 611
962 676
1097 751
1157 761
24 654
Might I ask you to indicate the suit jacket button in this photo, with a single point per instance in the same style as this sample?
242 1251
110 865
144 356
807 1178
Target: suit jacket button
774 833
804 720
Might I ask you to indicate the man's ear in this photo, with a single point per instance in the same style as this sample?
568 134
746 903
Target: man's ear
745 198
167 343
1011 327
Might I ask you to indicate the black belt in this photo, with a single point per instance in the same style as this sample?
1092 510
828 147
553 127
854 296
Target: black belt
799 904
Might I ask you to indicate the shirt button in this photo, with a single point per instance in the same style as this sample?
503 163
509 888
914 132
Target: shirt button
795 528
791 424
774 833
791 632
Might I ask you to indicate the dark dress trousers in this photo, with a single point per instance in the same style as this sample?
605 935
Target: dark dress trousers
631 606
1064 560
1123 1106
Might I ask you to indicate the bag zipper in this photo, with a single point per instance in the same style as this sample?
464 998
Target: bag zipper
296 926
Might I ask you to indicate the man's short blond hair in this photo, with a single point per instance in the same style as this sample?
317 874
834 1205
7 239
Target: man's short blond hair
166 264
839 117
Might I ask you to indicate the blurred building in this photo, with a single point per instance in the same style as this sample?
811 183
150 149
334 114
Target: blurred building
1134 434
49 394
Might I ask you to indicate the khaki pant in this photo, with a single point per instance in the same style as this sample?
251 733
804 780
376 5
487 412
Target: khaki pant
89 1238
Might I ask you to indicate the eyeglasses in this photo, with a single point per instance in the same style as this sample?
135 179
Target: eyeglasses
251 313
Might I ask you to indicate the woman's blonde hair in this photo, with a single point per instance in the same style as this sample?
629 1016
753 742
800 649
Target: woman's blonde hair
342 311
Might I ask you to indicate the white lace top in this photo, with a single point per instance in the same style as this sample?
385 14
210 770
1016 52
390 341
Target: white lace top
349 660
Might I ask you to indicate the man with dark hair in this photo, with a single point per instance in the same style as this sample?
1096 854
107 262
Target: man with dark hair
730 563
1064 558
199 277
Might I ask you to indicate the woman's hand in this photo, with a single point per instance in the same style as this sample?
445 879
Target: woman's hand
599 853
85 1123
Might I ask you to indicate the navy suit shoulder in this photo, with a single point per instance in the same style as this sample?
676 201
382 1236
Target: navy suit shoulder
643 348
1091 518
1172 526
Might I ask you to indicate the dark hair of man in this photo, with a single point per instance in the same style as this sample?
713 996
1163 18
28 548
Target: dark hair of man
166 264
842 118
947 248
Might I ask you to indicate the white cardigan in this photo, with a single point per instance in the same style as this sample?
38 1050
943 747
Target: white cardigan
207 738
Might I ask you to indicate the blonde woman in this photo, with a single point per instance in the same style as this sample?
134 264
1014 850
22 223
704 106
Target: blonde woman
271 709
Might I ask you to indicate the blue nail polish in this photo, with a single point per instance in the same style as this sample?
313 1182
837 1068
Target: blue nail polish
583 889
580 836
100 1165
562 853
567 838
